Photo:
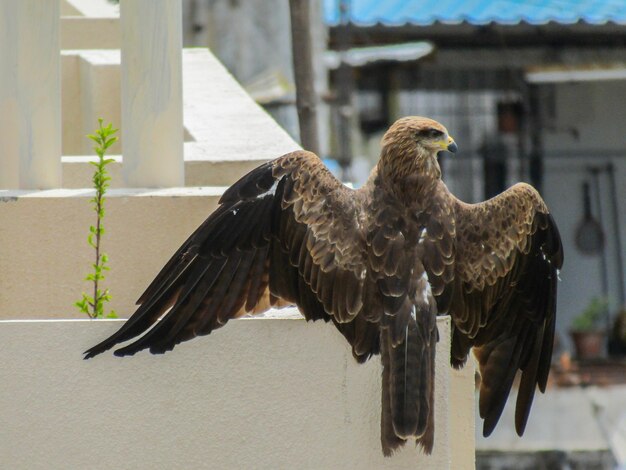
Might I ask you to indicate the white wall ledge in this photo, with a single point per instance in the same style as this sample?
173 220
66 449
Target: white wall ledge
195 191
202 168
259 393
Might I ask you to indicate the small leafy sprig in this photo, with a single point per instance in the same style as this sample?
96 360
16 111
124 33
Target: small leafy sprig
93 306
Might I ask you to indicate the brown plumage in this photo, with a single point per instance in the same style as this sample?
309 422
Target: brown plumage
379 262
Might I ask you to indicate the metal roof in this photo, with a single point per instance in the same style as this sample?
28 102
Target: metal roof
477 12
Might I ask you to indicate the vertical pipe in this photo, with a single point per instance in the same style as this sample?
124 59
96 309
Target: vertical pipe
604 276
302 55
618 240
152 99
344 84
30 94
536 138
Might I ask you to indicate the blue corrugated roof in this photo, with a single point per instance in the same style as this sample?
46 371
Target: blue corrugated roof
478 12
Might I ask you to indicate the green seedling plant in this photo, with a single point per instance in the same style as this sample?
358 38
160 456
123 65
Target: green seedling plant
94 306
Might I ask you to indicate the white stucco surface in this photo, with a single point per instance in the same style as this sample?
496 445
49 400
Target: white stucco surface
30 102
77 172
152 89
44 251
259 393
226 133
90 33
90 8
223 120
43 236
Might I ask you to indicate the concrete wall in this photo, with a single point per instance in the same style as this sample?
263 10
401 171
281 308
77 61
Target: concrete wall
266 24
152 93
43 247
90 90
30 102
90 33
90 8
580 276
217 111
593 109
44 251
260 393
77 171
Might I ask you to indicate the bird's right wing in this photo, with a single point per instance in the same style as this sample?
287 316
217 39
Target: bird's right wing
508 254
286 233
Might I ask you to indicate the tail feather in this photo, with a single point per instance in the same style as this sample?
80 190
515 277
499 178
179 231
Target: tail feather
427 410
389 440
407 390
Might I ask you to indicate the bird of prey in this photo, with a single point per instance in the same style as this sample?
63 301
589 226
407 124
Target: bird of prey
380 263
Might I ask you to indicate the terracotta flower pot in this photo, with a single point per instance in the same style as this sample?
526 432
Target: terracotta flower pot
588 344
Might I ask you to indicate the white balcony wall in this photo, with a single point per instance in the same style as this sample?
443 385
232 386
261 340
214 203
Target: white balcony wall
30 98
152 93
270 393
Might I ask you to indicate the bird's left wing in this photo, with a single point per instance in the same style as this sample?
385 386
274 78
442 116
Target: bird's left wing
286 233
508 253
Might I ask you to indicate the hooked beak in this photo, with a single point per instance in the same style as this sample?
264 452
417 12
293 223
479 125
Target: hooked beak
451 145
448 145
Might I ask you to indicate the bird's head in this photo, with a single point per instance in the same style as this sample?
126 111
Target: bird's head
408 158
417 137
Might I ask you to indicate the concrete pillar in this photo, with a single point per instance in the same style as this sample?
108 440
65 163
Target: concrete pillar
30 94
152 102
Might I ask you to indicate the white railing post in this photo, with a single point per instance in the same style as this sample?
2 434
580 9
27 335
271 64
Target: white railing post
152 100
30 94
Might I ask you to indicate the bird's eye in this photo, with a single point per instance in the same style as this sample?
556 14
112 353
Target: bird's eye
429 133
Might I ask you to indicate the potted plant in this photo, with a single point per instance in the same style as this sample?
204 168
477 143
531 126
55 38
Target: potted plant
586 330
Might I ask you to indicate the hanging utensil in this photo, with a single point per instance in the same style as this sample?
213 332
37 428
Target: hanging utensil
589 235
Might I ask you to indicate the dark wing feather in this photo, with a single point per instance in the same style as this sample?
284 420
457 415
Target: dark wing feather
323 269
285 233
508 254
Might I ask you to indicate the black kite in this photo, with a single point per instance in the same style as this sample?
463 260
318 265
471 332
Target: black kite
380 262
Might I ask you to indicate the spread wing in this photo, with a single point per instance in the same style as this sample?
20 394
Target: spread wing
286 233
508 254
